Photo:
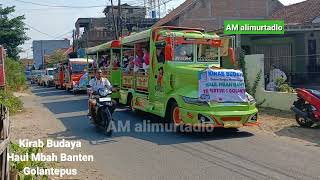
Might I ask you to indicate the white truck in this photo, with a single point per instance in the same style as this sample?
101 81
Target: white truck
47 79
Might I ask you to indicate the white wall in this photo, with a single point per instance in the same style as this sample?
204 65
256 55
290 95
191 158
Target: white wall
276 100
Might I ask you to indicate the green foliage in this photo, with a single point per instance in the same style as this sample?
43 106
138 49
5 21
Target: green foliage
20 165
251 89
57 57
12 31
15 75
282 86
242 64
10 101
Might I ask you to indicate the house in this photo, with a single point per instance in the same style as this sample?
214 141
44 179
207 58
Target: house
133 18
43 48
210 14
297 52
91 32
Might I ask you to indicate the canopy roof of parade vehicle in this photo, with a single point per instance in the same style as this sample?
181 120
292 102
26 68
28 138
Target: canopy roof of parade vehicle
103 47
168 31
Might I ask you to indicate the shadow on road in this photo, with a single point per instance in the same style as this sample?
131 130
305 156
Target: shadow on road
46 92
67 106
307 134
72 114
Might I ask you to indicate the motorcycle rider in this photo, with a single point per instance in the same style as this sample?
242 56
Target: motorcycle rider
98 82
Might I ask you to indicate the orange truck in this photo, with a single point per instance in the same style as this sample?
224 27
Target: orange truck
74 69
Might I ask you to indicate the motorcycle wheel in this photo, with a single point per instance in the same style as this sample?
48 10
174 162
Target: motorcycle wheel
303 122
107 120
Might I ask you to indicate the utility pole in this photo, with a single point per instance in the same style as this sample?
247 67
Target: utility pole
119 19
73 40
159 9
114 21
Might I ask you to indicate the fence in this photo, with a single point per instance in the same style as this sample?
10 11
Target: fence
301 71
4 142
276 100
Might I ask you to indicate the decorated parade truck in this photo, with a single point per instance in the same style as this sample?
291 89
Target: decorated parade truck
177 73
107 58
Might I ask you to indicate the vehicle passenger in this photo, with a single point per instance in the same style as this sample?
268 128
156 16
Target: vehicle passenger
160 55
146 58
137 63
130 65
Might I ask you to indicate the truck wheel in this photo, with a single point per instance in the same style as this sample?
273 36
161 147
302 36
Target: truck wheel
175 118
175 114
303 122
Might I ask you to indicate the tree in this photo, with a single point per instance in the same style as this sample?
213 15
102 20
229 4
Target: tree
12 31
57 57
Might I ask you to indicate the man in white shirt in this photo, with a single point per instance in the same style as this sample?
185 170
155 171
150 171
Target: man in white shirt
98 82
275 74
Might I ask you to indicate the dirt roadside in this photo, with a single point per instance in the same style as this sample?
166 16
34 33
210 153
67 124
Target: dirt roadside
37 122
283 124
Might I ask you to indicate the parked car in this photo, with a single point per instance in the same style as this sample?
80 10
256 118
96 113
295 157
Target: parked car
35 76
47 79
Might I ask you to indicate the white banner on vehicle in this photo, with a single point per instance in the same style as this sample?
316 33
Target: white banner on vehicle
222 85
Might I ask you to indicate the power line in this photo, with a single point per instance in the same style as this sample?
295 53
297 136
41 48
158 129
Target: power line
35 29
60 36
59 6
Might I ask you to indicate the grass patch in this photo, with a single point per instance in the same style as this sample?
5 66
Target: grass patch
10 101
15 81
15 75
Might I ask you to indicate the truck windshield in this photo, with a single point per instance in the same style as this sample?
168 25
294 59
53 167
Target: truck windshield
183 53
78 67
50 72
207 53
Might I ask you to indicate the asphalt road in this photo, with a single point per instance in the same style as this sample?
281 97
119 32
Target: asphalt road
170 156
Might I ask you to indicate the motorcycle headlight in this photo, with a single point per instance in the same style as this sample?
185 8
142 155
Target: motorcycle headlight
104 92
195 101
250 99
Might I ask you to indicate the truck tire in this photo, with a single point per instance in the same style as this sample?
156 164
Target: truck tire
175 114
175 118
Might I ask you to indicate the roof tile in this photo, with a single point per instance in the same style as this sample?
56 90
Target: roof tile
300 13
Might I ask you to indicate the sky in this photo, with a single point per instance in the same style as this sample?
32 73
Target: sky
58 23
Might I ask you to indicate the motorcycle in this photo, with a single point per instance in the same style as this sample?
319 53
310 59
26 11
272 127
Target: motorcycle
307 107
101 115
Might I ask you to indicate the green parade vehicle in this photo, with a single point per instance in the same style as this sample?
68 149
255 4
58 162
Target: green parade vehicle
107 58
177 73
